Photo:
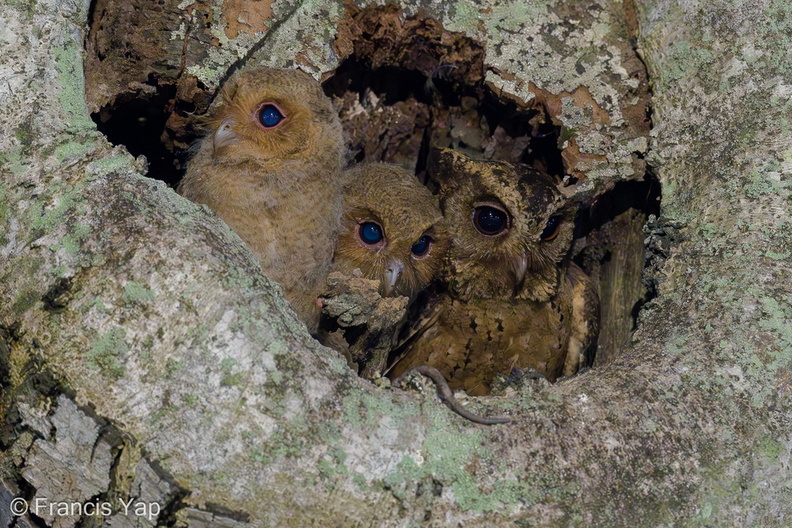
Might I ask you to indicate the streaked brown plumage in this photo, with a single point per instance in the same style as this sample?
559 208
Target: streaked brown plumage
513 297
386 201
270 167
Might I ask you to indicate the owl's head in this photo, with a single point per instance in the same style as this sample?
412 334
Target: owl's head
391 229
511 228
273 115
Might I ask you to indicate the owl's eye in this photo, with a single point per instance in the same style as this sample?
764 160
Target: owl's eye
269 115
421 248
370 233
490 221
551 229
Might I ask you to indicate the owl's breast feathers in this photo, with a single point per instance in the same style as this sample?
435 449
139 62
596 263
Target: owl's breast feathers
470 341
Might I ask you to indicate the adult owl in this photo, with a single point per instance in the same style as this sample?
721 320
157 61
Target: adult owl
514 298
271 167
391 229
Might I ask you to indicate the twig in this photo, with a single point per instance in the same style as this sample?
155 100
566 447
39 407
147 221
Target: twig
448 396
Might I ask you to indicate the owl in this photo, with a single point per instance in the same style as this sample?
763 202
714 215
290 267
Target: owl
390 247
513 298
271 167
391 229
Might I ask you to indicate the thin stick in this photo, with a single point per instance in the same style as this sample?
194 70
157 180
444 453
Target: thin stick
448 396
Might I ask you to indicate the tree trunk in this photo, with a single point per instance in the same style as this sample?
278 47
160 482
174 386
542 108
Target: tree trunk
152 375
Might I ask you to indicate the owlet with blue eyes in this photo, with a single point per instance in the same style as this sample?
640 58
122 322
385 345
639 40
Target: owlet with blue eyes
271 168
513 297
391 229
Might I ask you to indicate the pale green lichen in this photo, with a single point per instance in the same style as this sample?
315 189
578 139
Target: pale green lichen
25 300
81 231
232 376
777 256
14 161
449 454
778 319
447 457
189 400
70 245
5 209
366 408
106 352
332 464
137 293
97 304
26 7
65 201
220 58
68 62
61 270
119 163
25 135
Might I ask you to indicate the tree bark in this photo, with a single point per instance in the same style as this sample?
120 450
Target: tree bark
148 362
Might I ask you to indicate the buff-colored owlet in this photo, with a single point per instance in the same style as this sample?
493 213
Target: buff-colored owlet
514 298
270 167
392 232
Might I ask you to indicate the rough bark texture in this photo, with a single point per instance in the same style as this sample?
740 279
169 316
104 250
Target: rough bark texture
145 357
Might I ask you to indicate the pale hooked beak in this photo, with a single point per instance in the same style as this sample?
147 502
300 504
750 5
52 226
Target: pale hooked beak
224 136
393 271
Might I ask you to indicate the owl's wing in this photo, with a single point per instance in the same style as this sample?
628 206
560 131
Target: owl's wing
429 313
585 321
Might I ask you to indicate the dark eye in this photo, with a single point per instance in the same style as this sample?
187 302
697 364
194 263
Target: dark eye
421 248
490 221
551 229
269 115
370 233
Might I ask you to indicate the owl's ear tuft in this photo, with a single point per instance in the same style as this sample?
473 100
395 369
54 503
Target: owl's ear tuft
443 166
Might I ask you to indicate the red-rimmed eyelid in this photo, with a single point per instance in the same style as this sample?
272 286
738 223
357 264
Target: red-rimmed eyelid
257 113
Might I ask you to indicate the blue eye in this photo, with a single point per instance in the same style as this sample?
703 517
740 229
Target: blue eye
490 221
421 248
370 233
269 115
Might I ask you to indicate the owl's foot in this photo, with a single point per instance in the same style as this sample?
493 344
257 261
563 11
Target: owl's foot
447 395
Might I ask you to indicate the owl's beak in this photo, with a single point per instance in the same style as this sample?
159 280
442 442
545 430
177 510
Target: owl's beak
224 136
393 270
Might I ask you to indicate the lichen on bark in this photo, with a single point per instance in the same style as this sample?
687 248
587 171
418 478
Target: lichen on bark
212 393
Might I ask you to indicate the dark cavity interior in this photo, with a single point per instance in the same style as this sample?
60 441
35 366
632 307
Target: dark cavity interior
405 85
